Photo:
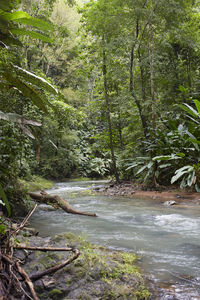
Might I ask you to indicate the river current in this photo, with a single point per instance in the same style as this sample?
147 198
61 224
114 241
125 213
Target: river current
167 239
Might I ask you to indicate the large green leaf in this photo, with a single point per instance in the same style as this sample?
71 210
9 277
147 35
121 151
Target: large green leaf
36 23
24 18
32 34
21 121
162 157
189 109
27 90
17 119
194 141
197 103
164 166
14 15
184 169
141 169
133 165
37 80
191 178
168 157
180 172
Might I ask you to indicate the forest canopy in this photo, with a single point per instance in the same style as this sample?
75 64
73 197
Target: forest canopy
99 89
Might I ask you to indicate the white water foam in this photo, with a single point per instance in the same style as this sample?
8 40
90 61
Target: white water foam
177 222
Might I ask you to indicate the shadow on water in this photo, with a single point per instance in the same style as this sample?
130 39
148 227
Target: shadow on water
166 238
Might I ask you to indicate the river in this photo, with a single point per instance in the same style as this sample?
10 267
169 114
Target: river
167 239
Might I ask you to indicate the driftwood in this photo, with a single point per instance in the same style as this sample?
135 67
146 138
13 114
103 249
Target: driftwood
12 276
57 201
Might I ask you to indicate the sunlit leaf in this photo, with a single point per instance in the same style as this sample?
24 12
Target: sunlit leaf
36 79
33 34
36 23
164 166
141 170
180 172
197 103
189 109
13 15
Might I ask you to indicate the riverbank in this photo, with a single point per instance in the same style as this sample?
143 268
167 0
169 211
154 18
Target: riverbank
98 273
133 225
133 190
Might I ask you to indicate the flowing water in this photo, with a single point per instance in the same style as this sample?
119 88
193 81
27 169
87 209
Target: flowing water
166 238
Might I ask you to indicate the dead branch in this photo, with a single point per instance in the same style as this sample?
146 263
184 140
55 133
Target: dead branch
28 280
44 249
23 223
57 267
57 200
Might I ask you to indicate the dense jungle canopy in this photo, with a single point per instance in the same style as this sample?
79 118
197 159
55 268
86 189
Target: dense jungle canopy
105 88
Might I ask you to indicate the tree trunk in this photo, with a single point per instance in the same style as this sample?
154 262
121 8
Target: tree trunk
151 61
131 86
57 201
119 117
108 112
142 74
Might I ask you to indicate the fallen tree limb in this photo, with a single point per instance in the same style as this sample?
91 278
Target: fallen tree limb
53 269
44 249
57 200
28 281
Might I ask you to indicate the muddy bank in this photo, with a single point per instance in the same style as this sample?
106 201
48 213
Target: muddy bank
136 191
98 273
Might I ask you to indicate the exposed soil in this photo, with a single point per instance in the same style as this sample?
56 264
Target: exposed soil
162 195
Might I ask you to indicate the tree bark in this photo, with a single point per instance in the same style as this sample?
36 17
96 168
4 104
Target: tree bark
151 61
119 117
59 202
131 85
104 67
28 281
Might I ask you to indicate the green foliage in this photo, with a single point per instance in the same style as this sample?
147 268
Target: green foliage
144 165
8 26
189 174
5 200
152 58
20 91
21 121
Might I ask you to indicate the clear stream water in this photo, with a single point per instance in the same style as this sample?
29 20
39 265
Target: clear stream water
166 238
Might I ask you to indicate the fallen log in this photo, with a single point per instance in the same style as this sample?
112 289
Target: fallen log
43 249
56 200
